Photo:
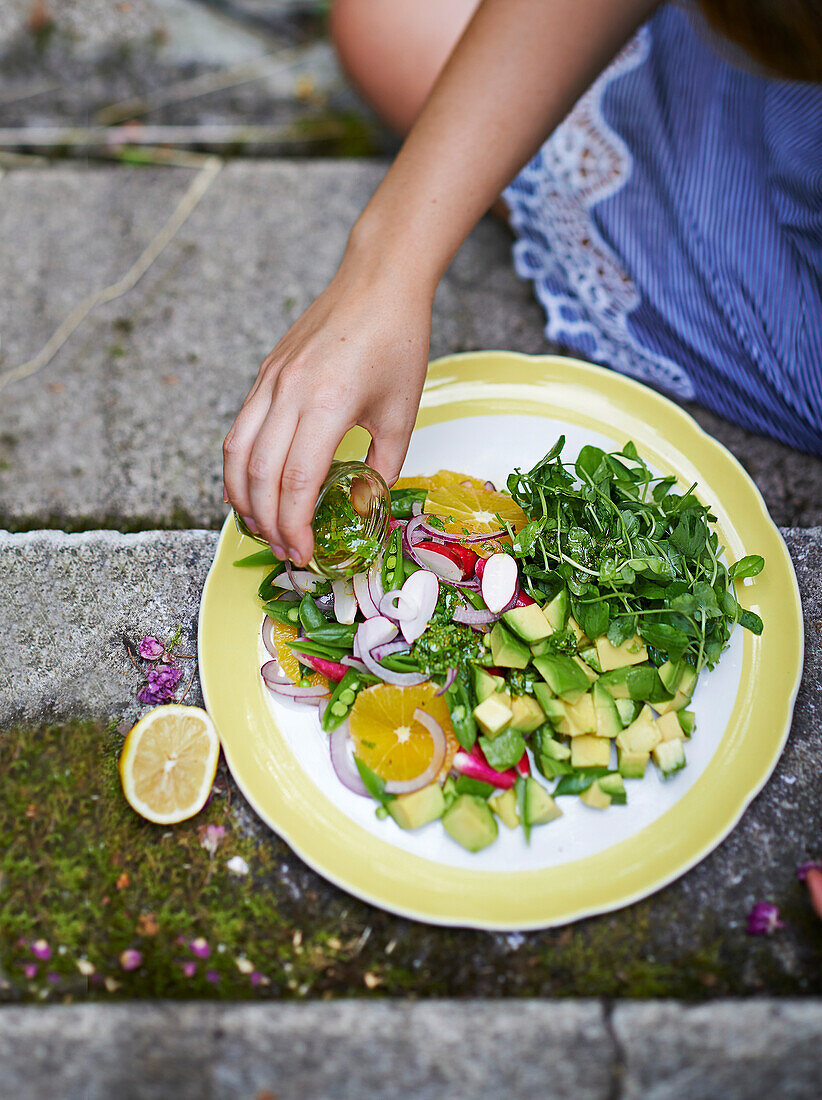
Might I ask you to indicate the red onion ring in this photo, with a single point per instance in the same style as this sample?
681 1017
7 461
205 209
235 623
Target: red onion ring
297 580
416 508
490 487
353 662
268 637
446 536
342 762
450 677
389 606
373 633
276 680
394 786
389 648
363 596
470 616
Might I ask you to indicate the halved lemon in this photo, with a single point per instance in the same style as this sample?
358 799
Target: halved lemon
168 763
387 737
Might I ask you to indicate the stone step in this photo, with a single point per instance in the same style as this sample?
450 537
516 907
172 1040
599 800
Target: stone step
123 427
72 602
438 1049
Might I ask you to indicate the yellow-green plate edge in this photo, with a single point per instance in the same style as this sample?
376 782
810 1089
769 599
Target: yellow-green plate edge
489 383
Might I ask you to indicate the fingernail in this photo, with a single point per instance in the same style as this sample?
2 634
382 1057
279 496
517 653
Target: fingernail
295 555
278 552
225 497
251 525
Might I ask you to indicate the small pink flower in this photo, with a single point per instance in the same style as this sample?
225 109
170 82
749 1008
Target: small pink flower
256 977
763 919
211 837
30 971
212 976
41 950
130 959
53 978
189 969
200 948
151 649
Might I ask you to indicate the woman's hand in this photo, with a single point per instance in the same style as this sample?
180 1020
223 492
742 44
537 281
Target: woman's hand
358 355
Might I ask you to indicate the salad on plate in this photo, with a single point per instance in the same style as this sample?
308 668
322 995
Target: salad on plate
506 650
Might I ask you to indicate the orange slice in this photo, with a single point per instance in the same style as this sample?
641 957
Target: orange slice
281 635
465 504
168 763
386 736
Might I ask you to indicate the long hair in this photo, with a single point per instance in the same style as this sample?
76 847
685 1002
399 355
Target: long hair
783 36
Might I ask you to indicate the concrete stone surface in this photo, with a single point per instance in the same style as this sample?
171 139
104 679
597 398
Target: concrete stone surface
436 1049
123 428
72 601
719 1052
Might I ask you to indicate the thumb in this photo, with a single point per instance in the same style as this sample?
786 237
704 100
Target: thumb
387 453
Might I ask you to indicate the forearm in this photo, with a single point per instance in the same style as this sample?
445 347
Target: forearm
512 78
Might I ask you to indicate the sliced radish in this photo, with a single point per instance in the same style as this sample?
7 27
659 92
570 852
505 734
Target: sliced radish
423 588
363 595
469 765
395 605
395 786
500 577
467 558
374 575
345 602
376 632
297 580
523 599
332 670
440 560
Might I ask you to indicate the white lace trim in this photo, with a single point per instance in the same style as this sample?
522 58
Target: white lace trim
585 290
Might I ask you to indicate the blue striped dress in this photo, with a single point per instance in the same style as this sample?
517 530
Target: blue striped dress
672 227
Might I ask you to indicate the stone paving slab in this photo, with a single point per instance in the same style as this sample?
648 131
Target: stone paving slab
570 1050
71 600
124 427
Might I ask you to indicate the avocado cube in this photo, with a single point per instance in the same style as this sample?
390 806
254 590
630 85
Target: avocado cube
551 768
669 757
470 822
580 635
632 765
631 652
679 702
557 713
528 622
589 656
613 785
668 725
539 649
590 752
485 683
493 715
563 676
543 693
630 682
595 797
589 672
504 805
687 720
608 723
555 749
539 807
528 715
581 716
642 735
506 650
412 811
688 682
556 612
627 709
670 674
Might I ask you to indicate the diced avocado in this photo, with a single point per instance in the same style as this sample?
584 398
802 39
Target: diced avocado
608 722
632 765
528 622
543 694
485 683
589 656
669 727
412 811
556 612
688 681
590 752
679 701
449 790
628 709
613 785
539 806
642 735
595 797
563 675
539 649
493 715
589 672
670 674
557 713
581 716
551 768
631 652
669 757
504 805
687 720
507 650
637 682
470 822
528 714
557 750
580 635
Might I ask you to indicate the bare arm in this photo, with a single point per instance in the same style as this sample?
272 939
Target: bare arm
359 353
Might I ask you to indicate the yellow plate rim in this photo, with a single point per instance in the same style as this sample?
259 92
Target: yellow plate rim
381 874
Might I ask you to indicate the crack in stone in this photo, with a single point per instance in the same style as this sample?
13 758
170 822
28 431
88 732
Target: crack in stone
618 1061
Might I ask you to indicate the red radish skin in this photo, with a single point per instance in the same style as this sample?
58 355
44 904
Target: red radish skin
479 568
442 560
469 765
332 670
524 766
523 599
467 559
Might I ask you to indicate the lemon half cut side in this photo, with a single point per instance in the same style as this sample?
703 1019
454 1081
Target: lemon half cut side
168 763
